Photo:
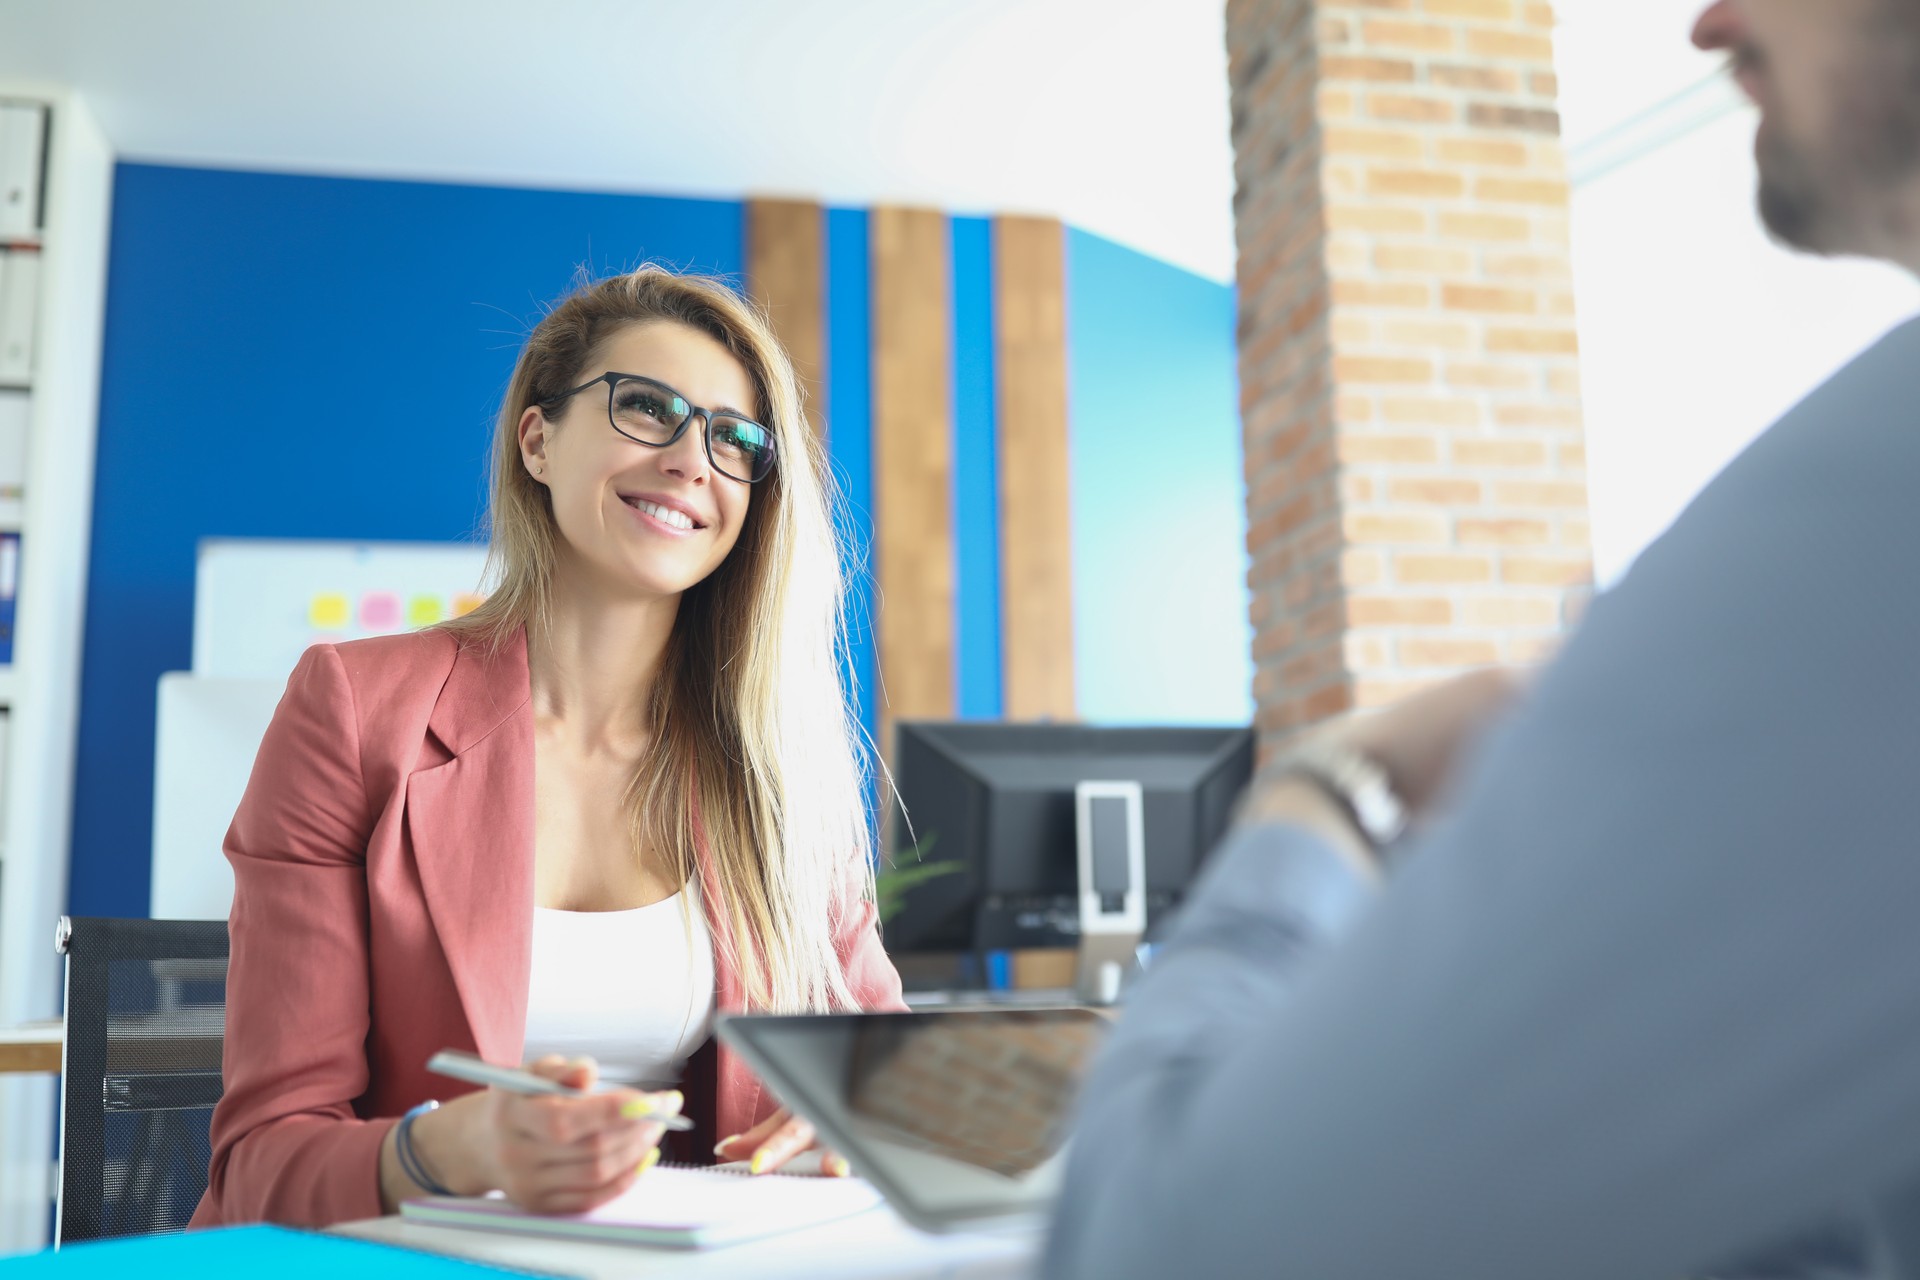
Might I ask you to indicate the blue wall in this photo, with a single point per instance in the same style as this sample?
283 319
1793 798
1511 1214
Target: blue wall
322 358
1161 633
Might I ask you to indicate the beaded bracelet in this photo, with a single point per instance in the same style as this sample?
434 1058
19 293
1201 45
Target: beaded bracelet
410 1162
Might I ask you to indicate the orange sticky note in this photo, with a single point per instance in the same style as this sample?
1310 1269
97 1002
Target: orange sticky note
465 603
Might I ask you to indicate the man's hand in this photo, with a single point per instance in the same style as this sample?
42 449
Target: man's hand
1420 741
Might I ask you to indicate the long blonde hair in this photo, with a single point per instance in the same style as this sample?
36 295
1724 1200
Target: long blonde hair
754 753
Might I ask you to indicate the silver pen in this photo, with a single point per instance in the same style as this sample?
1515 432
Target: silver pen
465 1066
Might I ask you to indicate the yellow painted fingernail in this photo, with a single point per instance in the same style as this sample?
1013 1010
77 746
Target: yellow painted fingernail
636 1108
760 1162
672 1101
653 1158
840 1168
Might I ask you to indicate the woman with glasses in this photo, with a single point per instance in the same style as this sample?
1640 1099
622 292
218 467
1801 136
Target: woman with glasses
623 794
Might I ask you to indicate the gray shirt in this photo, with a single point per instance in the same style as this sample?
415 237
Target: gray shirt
1647 1001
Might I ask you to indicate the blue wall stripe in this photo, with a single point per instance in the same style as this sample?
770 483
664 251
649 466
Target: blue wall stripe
301 357
976 494
849 376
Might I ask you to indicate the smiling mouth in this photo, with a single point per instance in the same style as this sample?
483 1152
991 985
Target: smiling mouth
665 515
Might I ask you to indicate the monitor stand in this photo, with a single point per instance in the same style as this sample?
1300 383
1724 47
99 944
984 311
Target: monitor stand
1113 886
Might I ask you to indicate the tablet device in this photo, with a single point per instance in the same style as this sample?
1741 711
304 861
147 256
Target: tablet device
958 1116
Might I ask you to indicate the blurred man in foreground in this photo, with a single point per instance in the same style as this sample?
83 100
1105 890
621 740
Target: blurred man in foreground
1644 999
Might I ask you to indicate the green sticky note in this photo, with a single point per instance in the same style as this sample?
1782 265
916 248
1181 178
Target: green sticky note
424 611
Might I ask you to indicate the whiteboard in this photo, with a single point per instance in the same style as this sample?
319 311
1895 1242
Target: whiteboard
208 731
259 602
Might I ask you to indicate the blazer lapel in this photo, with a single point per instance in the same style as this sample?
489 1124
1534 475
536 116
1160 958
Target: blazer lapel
470 822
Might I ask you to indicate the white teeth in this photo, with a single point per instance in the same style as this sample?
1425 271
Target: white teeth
666 515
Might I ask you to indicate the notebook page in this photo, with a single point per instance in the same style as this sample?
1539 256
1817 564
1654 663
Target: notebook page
675 1206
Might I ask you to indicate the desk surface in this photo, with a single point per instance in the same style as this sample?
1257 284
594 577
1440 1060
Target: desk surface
31 1047
875 1245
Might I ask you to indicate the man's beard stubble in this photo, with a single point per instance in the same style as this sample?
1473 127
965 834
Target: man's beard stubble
1839 194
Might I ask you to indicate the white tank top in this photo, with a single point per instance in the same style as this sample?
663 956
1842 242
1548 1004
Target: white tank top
631 989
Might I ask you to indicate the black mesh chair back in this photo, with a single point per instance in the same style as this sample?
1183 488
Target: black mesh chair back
146 1008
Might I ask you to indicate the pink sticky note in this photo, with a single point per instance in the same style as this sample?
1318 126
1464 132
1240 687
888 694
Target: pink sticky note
379 611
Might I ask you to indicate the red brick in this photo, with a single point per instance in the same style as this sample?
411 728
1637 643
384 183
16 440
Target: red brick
1450 335
1424 37
1486 10
1492 42
1499 453
1510 611
1398 611
1540 493
1442 570
1392 144
1488 299
1434 411
1547 191
1504 533
1411 108
1425 184
1381 369
1390 70
1424 651
1540 341
1380 293
1435 492
1375 530
1496 151
1360 449
1546 572
1504 227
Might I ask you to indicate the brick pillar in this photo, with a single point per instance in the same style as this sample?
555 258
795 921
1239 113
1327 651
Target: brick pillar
1415 460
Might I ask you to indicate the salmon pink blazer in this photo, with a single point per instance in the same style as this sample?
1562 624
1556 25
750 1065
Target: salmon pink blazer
383 910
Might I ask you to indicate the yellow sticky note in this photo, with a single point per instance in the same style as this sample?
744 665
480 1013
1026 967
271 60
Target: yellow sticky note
424 611
328 611
465 603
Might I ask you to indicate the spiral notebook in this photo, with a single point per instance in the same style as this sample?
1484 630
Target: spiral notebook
677 1206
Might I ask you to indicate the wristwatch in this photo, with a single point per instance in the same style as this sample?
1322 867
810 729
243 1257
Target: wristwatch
1355 782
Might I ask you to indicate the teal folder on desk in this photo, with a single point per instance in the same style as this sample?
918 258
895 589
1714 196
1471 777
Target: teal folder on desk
272 1252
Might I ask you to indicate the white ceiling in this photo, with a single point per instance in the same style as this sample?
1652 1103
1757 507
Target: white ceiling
1111 114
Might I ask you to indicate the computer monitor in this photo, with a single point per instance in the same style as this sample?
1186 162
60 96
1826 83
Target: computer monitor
1001 800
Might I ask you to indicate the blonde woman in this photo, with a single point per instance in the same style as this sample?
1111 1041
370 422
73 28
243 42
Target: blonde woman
621 795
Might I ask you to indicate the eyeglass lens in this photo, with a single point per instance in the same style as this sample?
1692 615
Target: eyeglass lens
653 415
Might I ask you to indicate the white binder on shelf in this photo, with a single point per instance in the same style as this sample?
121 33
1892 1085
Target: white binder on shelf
23 136
19 292
14 407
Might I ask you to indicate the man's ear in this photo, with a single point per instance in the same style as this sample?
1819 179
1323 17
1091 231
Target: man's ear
533 432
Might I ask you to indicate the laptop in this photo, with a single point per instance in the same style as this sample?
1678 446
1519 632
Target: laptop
958 1116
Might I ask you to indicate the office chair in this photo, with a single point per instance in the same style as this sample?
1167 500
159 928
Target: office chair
146 1008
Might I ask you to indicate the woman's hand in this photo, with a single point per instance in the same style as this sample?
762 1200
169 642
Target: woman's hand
776 1140
549 1154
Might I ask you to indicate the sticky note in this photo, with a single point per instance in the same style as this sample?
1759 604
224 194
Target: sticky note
328 611
424 611
465 603
380 611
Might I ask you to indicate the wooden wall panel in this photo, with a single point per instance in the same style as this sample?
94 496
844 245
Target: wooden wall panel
913 463
1036 547
787 274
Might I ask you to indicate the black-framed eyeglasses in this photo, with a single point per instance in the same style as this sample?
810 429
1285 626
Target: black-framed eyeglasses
652 413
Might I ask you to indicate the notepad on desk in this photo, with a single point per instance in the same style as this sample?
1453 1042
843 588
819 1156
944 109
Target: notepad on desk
673 1206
